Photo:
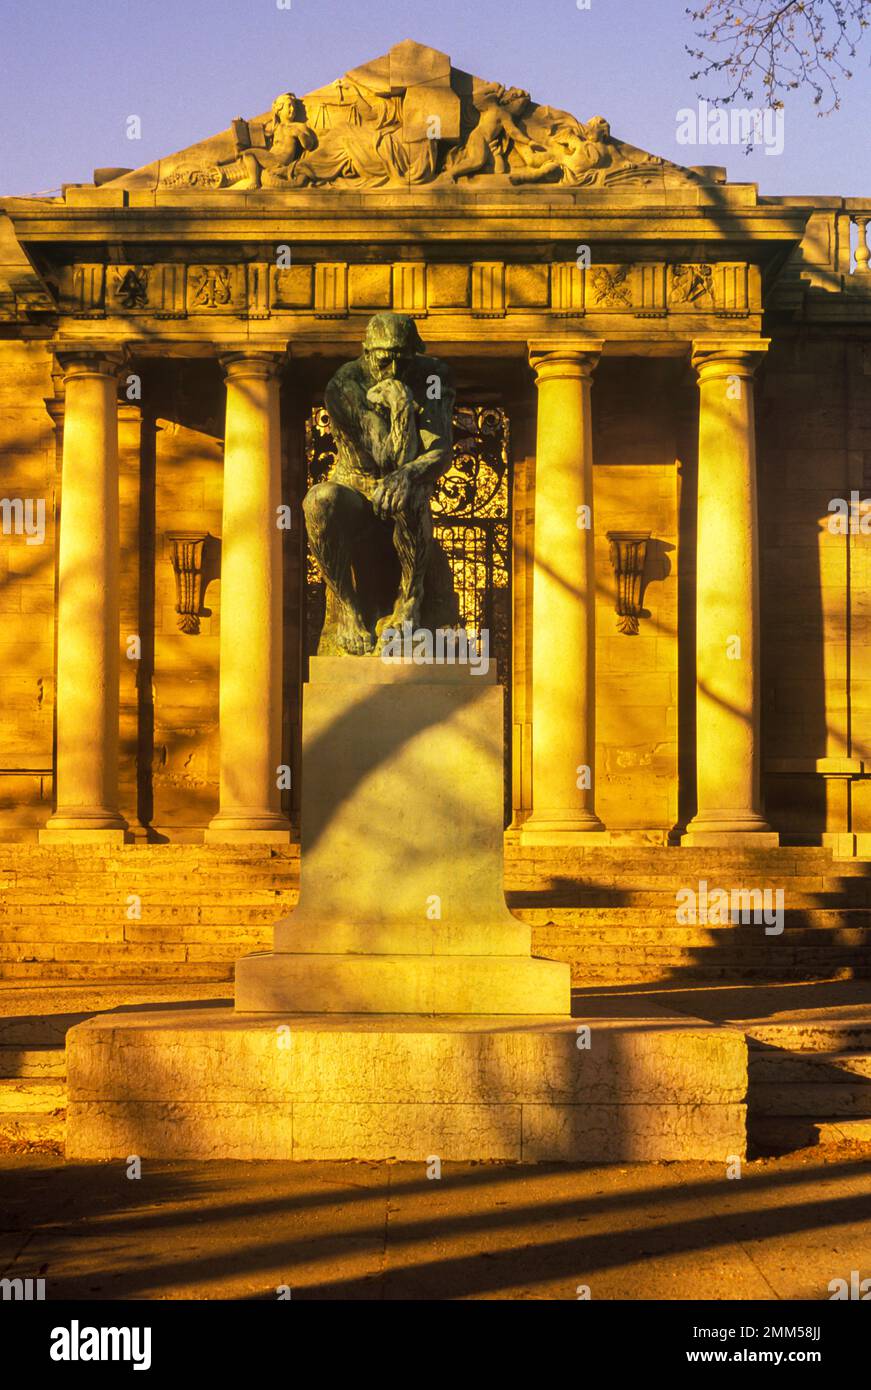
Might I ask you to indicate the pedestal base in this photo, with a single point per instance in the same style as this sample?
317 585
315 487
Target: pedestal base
207 1083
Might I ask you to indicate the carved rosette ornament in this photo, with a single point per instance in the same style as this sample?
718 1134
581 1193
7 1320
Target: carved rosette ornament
628 557
186 554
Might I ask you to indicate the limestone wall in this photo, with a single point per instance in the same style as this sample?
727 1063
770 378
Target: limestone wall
814 432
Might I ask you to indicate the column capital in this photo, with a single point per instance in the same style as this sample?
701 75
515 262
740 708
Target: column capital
720 357
555 357
84 362
239 363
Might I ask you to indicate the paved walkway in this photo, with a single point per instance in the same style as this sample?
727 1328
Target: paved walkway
784 1230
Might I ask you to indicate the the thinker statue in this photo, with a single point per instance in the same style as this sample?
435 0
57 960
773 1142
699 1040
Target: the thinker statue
370 524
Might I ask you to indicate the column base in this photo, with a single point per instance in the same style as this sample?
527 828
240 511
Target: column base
88 827
539 835
729 831
82 835
556 829
254 829
246 837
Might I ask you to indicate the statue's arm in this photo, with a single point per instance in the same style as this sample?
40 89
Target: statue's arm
351 412
437 433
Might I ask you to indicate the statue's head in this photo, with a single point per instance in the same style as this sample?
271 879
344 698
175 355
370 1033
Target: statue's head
597 128
516 100
390 344
284 108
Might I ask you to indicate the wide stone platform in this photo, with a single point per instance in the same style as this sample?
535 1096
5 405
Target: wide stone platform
207 1083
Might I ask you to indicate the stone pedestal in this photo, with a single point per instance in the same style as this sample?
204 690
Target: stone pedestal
401 908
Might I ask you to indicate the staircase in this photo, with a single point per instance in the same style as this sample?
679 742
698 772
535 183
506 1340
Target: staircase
810 1083
141 912
186 912
612 913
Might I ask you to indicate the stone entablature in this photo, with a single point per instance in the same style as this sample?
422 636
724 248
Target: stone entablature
489 289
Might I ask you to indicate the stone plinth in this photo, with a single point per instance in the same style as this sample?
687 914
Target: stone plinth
209 1083
401 907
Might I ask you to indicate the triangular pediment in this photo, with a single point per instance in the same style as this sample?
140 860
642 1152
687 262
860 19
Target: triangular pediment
406 120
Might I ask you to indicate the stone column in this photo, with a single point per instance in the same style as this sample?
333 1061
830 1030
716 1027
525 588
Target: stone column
86 783
727 602
251 606
563 599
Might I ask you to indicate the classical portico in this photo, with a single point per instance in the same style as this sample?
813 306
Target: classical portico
619 345
640 391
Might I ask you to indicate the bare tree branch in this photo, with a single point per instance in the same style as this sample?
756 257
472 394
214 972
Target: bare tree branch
760 50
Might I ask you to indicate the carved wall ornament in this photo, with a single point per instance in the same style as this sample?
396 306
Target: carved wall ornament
611 286
131 287
692 284
628 552
210 286
186 554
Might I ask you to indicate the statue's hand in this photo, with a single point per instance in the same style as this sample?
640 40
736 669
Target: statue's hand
395 492
392 393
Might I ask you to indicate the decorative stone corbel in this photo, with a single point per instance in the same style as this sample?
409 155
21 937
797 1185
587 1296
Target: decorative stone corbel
186 554
628 556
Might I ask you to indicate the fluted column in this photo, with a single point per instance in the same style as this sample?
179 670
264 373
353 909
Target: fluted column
563 601
251 606
727 602
86 778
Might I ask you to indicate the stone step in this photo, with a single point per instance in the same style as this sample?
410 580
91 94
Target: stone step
577 896
19 1127
32 1095
113 908
32 1108
133 970
825 1100
43 1061
224 853
808 1035
36 882
640 920
814 1068
781 1133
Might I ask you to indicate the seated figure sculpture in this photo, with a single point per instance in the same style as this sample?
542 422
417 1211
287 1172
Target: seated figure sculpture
369 523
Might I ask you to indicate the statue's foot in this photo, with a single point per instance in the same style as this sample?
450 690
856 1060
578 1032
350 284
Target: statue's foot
352 635
403 613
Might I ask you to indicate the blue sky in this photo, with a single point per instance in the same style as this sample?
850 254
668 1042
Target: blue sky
74 70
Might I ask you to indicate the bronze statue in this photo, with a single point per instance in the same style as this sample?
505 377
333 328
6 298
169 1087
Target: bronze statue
370 524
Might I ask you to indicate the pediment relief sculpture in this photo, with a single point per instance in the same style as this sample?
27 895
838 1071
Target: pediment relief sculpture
407 119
